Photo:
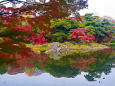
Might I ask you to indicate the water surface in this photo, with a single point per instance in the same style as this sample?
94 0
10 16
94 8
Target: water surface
24 68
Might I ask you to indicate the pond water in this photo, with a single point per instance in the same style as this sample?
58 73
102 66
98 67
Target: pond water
26 68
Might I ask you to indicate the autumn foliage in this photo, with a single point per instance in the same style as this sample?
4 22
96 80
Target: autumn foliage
32 36
109 37
82 34
12 17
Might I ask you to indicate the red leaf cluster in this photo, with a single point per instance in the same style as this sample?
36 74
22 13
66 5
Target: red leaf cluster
41 39
109 37
82 34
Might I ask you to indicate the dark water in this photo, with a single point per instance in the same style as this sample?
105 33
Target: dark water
25 68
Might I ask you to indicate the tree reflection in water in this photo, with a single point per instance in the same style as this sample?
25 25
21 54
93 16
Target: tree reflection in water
33 64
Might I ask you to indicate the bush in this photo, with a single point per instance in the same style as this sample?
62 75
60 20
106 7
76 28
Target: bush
82 35
61 29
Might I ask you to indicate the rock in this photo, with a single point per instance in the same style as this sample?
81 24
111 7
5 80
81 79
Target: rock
49 51
38 52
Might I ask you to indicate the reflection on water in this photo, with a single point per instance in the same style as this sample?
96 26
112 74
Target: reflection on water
92 64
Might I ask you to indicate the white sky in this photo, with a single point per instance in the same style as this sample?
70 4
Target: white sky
100 8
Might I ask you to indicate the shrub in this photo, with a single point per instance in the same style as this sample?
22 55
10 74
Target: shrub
81 35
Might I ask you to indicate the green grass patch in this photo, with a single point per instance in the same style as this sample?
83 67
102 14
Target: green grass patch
73 46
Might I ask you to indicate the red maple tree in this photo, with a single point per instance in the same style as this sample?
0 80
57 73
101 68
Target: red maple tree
82 34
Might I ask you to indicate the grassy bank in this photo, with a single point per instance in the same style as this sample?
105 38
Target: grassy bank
64 46
110 44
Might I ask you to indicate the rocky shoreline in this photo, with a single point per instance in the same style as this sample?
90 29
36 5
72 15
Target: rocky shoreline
66 47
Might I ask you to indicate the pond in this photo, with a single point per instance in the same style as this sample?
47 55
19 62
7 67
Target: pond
26 68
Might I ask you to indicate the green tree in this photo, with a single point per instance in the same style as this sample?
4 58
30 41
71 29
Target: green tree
98 28
62 29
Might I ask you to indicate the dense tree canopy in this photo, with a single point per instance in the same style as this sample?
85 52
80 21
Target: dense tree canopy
41 12
34 14
101 29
